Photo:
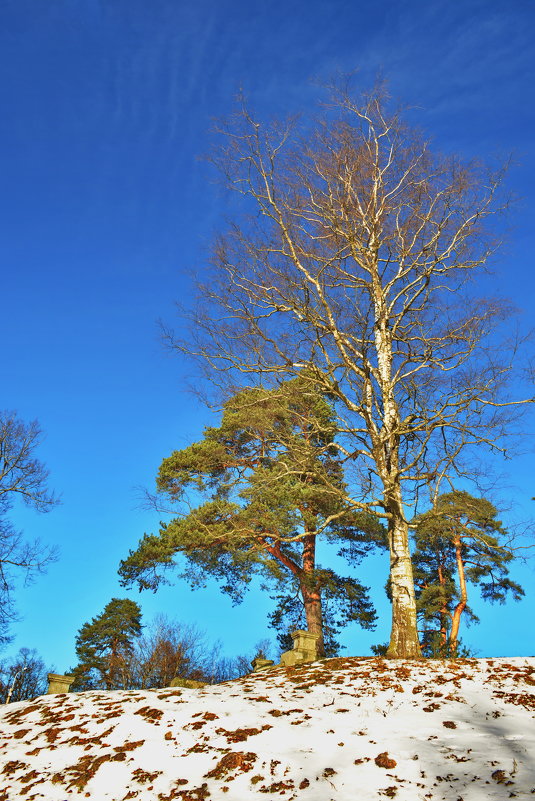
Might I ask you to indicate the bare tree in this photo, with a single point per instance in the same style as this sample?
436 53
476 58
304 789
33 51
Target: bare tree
350 267
25 478
222 668
22 677
167 649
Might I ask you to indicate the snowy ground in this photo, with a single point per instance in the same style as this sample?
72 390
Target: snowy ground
336 730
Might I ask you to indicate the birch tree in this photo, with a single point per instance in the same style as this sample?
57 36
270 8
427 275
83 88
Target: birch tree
348 263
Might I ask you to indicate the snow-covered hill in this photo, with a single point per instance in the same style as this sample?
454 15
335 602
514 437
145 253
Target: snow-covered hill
343 729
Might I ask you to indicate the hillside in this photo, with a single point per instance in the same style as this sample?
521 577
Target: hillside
341 729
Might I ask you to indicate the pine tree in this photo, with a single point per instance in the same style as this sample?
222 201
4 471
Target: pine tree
105 645
459 542
271 481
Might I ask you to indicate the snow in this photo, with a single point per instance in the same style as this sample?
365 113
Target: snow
333 730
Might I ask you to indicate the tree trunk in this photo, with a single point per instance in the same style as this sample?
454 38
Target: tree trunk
443 611
311 593
404 642
459 609
312 602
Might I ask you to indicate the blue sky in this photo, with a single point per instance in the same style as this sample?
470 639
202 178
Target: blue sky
106 209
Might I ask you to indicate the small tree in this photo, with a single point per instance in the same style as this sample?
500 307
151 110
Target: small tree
105 646
459 542
167 649
22 677
267 474
22 477
222 668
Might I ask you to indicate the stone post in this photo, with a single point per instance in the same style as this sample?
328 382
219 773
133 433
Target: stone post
260 663
305 648
58 683
191 684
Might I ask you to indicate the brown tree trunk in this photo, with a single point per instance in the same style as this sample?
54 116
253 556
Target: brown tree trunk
311 593
459 609
443 612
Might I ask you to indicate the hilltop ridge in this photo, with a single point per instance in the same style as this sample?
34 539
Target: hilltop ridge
330 730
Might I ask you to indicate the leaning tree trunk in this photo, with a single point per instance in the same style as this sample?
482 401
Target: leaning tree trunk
461 606
443 611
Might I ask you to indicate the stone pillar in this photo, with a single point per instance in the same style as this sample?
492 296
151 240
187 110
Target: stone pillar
260 663
305 648
191 684
58 683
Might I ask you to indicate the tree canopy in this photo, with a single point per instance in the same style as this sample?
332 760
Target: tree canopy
270 478
348 264
460 541
104 647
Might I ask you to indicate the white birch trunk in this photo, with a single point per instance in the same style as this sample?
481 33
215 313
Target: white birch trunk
404 642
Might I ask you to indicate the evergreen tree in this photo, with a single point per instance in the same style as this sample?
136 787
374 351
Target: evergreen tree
459 542
271 481
105 645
